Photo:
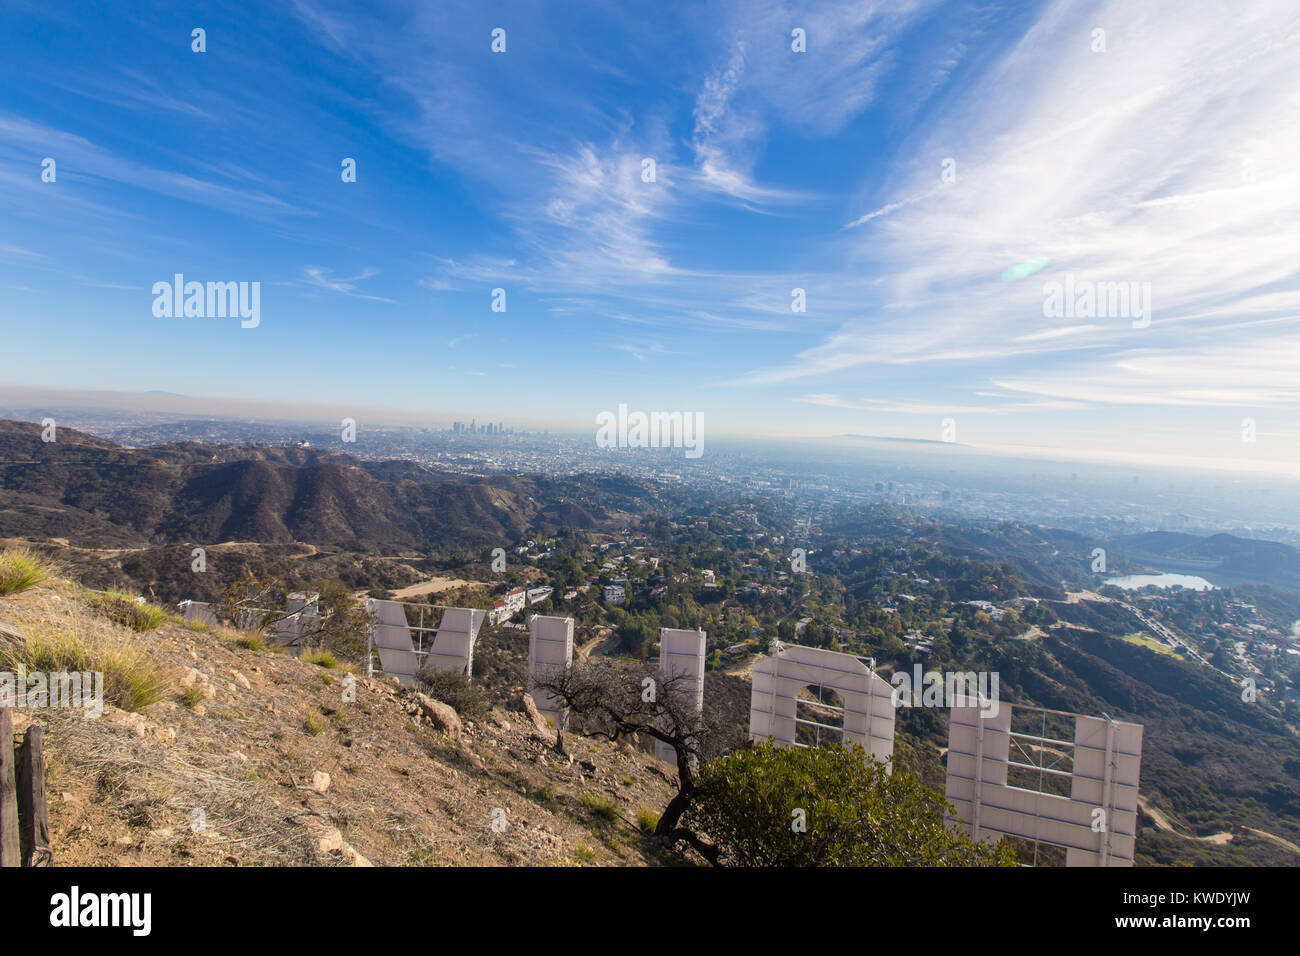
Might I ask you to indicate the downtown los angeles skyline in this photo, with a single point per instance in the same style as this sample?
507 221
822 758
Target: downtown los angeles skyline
648 188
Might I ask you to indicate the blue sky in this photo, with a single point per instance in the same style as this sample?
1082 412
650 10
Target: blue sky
1162 152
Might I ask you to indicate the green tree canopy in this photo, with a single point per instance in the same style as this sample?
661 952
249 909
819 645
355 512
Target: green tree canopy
826 806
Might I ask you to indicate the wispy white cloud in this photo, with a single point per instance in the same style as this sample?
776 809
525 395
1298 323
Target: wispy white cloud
321 278
585 220
726 138
1165 159
1057 333
905 408
77 158
640 350
761 80
1260 373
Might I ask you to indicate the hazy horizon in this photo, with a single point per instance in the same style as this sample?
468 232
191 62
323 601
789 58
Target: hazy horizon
176 408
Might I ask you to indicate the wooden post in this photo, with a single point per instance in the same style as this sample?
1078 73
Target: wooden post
10 846
33 813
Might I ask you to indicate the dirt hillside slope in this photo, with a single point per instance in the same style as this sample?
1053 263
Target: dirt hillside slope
254 758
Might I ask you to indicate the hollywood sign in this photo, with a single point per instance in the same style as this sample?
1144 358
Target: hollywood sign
449 631
681 662
866 714
1095 821
550 651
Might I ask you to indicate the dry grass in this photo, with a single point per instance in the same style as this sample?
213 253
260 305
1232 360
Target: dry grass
21 570
251 641
74 641
162 787
602 805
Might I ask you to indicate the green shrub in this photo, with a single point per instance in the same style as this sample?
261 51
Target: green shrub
20 570
252 641
826 806
321 659
122 608
453 689
647 820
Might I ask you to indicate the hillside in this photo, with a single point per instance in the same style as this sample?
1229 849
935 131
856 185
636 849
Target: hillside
249 742
1220 777
244 734
98 494
163 572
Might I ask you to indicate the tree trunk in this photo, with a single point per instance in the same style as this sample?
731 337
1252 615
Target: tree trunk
672 813
685 790
708 851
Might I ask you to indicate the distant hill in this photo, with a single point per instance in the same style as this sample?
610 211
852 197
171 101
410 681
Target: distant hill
1046 557
97 493
850 436
1043 557
1221 558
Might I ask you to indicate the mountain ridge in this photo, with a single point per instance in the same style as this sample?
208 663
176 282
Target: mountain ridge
104 493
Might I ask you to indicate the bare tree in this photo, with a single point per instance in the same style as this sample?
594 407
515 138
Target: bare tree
613 702
339 622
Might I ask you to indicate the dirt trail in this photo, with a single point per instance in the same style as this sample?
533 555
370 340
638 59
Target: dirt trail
743 668
431 586
1162 823
601 642
1074 597
1273 837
